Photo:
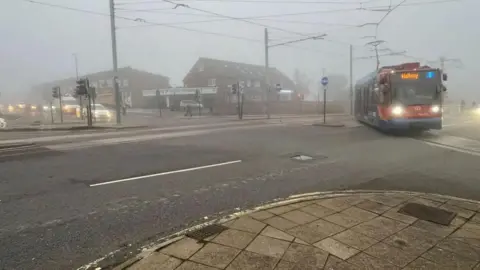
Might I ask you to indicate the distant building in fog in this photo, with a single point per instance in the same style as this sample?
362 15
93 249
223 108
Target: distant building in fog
131 83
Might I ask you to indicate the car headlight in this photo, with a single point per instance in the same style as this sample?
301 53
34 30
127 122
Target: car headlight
477 110
397 110
435 109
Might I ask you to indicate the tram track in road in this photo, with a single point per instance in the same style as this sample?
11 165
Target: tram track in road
13 152
450 142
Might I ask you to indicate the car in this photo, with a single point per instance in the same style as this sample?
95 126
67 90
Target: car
193 104
3 123
99 113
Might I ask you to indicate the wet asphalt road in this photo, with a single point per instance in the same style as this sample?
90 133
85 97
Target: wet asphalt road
53 219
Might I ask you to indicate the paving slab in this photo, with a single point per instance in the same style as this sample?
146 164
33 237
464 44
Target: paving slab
215 255
351 231
234 238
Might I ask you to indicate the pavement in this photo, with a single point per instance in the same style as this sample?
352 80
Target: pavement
74 197
331 231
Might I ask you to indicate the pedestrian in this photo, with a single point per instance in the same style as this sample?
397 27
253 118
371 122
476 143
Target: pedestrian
188 111
462 106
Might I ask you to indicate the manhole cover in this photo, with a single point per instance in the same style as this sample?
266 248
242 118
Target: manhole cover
205 232
302 157
428 213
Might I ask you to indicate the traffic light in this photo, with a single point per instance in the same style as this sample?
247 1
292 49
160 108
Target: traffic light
81 89
56 92
197 95
234 88
278 87
93 92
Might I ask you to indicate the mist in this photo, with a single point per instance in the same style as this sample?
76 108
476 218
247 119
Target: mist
39 38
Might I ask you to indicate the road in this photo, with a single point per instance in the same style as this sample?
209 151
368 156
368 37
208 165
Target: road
75 199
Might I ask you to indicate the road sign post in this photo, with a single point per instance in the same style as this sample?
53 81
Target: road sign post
324 82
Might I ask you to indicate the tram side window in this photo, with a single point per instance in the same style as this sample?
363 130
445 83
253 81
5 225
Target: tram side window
373 95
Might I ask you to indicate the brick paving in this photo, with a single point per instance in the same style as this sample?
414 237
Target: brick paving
345 231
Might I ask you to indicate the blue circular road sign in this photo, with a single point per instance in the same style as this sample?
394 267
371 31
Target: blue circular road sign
324 81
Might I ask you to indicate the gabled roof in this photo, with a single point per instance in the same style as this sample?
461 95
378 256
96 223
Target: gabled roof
240 70
122 73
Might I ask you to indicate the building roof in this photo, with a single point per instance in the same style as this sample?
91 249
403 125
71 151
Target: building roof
43 91
122 73
240 70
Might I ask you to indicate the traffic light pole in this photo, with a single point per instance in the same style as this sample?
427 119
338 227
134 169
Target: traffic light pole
115 64
89 111
51 111
239 108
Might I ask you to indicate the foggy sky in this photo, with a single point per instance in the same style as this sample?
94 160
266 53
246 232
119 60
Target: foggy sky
37 42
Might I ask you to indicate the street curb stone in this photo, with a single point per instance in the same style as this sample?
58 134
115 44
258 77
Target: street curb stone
168 240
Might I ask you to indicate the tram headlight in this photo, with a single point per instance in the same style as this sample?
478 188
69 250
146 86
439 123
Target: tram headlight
435 109
397 110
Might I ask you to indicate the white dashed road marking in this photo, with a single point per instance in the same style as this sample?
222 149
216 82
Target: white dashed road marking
166 173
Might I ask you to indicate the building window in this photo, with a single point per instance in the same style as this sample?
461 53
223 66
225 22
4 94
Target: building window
249 83
201 67
256 83
212 82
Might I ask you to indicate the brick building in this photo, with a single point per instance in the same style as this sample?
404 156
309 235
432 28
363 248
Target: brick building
131 82
207 72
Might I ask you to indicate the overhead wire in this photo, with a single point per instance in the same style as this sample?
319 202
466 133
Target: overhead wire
236 18
253 1
142 21
267 17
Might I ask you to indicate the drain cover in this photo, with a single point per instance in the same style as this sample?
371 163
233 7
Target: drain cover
302 157
428 213
205 232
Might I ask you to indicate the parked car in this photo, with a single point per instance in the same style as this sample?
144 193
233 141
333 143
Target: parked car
193 104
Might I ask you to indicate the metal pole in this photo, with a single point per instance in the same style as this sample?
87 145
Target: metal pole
60 102
241 105
351 79
238 101
324 103
318 100
267 82
324 97
51 110
89 104
76 64
114 56
89 111
80 100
